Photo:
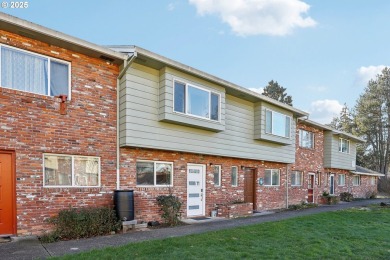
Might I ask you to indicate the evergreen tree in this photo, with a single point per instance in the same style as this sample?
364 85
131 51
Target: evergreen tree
277 92
373 121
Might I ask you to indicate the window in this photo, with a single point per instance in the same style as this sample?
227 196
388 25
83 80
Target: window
217 175
341 179
196 101
318 179
356 180
71 171
373 180
26 71
154 173
343 145
306 139
272 177
296 178
234 176
277 123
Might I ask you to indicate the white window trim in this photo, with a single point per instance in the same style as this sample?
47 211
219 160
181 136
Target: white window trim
300 139
154 174
340 145
48 69
272 123
373 180
360 181
219 176
231 174
186 85
339 180
73 179
271 177
300 173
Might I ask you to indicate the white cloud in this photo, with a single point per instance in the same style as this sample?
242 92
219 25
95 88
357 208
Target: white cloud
258 90
254 17
365 74
323 111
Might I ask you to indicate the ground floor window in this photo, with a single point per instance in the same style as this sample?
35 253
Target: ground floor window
150 173
234 176
296 178
71 170
373 180
341 179
356 180
272 177
217 175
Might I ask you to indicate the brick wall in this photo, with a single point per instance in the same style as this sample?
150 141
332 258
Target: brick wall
308 161
360 191
145 198
31 125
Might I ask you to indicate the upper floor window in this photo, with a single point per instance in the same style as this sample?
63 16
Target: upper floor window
277 123
306 139
71 171
196 101
343 145
30 72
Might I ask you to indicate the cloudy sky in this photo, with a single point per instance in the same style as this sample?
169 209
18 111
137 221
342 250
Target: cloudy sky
323 52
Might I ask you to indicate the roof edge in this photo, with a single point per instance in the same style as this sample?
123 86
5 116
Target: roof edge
33 27
206 76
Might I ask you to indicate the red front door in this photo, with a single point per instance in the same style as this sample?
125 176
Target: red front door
310 189
7 193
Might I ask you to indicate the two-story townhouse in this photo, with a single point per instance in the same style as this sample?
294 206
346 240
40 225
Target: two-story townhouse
325 162
307 173
342 173
57 124
205 139
69 108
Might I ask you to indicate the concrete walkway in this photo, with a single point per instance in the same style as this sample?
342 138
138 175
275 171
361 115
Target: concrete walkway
31 248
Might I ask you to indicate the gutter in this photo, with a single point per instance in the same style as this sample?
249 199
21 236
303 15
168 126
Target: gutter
126 65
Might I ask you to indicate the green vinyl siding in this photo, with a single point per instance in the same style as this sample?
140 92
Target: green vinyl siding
146 101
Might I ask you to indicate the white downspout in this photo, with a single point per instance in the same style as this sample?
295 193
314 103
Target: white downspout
126 65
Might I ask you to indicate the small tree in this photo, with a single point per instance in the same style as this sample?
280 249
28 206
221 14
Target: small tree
277 92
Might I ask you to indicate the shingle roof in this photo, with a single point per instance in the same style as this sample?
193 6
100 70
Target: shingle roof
364 171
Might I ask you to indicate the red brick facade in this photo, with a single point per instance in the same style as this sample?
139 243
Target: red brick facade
364 190
145 198
308 160
31 125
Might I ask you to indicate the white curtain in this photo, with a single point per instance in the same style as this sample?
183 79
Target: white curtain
23 71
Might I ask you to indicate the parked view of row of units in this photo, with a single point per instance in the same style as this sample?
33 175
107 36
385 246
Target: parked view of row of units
79 121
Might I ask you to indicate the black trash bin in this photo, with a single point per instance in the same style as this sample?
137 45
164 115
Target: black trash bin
124 204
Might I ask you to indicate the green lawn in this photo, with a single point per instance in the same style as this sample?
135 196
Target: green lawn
348 234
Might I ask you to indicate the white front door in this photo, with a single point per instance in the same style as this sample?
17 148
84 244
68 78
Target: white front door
195 190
